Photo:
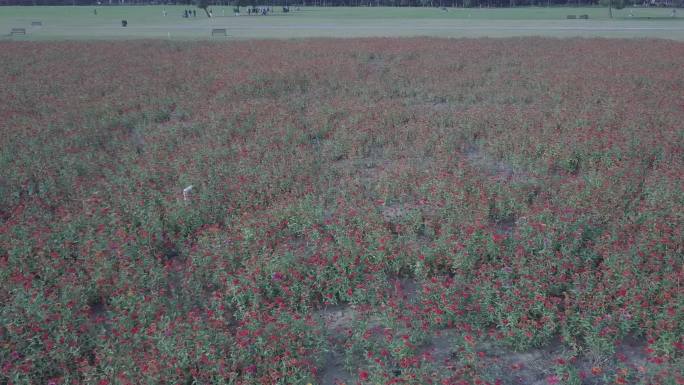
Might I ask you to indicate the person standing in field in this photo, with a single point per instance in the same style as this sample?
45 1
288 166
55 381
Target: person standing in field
164 12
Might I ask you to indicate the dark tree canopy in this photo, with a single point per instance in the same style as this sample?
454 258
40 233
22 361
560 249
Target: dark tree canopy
245 3
617 4
203 4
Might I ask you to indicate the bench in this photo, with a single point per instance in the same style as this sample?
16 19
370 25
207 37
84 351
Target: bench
36 24
586 17
572 16
18 31
219 32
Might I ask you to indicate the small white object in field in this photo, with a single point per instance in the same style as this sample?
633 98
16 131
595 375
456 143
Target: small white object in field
186 192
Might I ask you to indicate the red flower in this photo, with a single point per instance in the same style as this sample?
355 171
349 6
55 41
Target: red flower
363 375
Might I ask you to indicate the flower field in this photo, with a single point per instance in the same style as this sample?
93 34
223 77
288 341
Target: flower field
363 211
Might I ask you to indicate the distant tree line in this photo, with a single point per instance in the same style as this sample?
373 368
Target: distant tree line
353 3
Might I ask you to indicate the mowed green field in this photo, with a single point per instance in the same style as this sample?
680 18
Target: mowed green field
149 22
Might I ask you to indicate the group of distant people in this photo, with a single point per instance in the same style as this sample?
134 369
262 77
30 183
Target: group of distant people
187 13
259 11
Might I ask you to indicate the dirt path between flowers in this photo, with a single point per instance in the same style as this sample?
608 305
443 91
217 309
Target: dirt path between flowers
443 349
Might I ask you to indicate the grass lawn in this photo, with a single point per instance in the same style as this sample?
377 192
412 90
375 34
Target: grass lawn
149 22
